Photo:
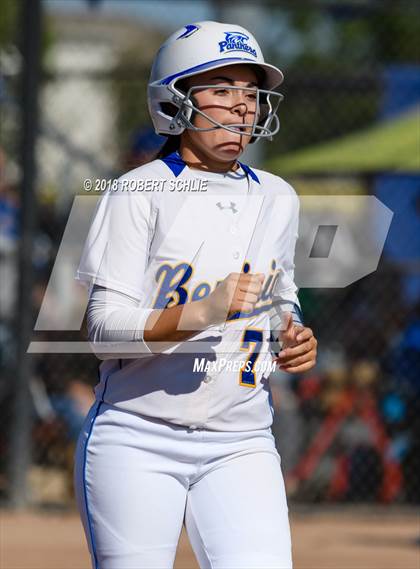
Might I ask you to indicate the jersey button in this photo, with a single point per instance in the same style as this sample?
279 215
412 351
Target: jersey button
233 230
207 379
236 255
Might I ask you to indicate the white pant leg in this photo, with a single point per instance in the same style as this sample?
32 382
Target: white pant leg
130 499
237 515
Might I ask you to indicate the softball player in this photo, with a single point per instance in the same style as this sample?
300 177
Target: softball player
189 263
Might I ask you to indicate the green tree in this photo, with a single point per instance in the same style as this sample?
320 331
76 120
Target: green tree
333 56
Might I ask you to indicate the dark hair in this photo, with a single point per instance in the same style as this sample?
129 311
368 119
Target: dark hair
172 144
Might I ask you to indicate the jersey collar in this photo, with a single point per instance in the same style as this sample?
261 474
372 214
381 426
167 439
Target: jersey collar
176 164
249 172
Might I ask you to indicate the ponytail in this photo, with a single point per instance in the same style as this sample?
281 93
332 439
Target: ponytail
171 145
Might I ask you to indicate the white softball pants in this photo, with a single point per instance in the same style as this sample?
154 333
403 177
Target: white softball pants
137 480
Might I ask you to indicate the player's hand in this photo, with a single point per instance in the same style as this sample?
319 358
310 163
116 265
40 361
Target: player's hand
238 292
299 349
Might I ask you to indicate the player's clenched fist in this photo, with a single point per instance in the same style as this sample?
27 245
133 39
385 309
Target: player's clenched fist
238 292
299 350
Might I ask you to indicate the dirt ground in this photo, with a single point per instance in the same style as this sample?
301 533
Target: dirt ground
350 539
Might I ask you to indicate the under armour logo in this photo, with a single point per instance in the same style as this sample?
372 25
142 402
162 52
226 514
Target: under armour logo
231 206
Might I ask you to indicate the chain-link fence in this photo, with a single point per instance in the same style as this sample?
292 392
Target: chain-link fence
347 431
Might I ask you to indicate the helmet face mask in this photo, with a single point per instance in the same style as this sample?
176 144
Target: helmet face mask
264 125
203 47
183 106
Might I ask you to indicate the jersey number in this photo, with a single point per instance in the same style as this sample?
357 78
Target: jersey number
251 342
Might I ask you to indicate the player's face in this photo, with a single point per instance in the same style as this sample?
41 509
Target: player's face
227 106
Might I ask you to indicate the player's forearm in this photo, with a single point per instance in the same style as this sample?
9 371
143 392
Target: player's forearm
176 324
119 328
237 292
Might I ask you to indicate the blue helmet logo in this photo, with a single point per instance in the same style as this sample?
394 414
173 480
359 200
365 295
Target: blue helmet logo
190 29
236 41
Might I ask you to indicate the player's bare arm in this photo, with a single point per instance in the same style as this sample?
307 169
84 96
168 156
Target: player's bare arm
238 292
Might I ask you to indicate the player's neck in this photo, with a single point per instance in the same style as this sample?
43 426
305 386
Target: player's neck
198 160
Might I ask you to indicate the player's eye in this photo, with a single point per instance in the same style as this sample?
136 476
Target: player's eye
221 91
251 96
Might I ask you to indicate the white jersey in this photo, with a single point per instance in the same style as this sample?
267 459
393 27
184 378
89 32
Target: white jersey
169 235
